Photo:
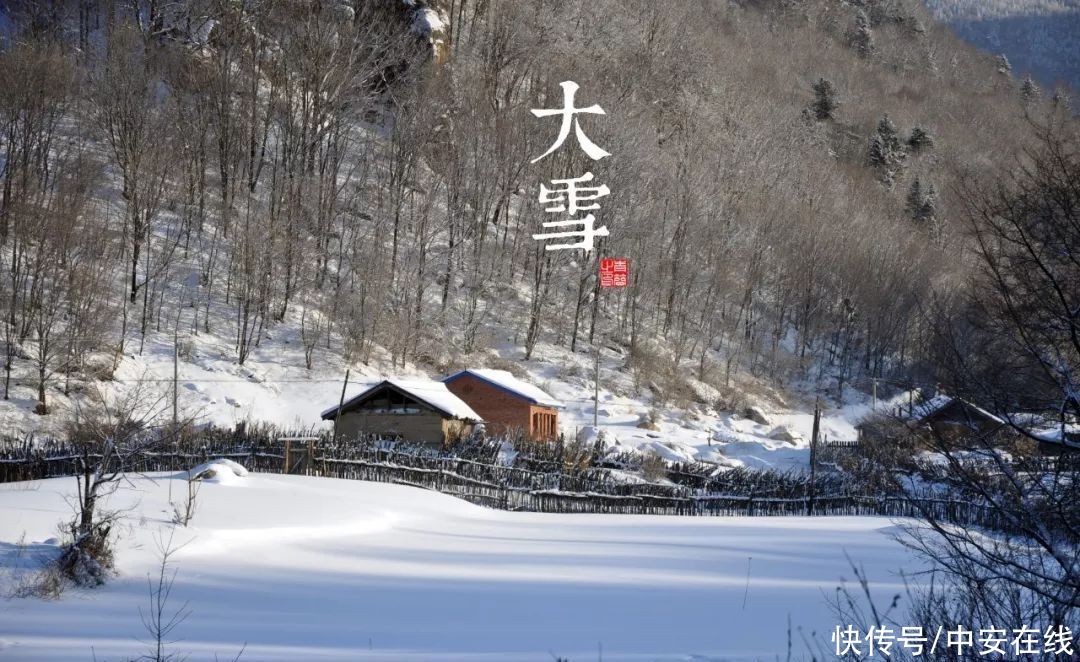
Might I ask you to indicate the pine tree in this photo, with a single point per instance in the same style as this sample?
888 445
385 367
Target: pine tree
915 199
928 213
1029 90
1062 100
921 205
920 140
862 37
1003 64
886 153
824 99
928 208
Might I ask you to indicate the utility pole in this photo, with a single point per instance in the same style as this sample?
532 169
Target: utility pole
813 457
596 393
341 403
175 372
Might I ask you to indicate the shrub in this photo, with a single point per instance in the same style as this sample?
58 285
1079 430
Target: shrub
653 467
88 560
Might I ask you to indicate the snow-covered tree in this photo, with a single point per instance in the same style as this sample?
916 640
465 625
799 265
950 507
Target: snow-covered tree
928 210
1003 65
1029 90
1061 99
862 36
886 153
921 204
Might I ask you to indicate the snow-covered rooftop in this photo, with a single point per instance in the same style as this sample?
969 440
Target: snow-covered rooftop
1068 435
937 403
430 392
507 381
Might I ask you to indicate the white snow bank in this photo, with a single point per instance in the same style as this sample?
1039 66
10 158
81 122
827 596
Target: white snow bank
221 470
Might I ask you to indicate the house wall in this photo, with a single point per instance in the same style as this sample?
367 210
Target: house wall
545 422
502 412
424 427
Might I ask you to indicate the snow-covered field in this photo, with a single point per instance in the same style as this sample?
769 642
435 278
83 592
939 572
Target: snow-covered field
302 568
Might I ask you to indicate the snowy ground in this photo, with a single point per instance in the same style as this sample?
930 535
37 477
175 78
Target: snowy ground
322 569
274 386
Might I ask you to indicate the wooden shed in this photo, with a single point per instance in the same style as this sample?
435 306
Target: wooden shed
422 411
951 416
941 418
507 404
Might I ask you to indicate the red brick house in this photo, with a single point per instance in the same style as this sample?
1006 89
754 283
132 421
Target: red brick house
507 404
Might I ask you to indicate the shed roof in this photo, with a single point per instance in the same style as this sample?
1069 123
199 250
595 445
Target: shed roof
936 409
508 382
432 393
1067 435
936 405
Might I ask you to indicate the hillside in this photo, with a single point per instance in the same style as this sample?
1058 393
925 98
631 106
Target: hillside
279 195
1039 37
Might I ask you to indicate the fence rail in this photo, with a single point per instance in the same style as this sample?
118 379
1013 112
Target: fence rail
516 488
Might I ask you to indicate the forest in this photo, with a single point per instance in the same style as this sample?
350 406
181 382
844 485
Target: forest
792 182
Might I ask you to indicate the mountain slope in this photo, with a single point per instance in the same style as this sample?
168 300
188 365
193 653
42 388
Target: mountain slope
1040 37
300 190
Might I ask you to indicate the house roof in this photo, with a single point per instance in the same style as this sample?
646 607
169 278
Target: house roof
431 393
1068 436
507 382
939 403
930 409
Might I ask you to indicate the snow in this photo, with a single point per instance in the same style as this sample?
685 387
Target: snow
221 470
274 386
506 380
1068 435
428 391
426 22
321 569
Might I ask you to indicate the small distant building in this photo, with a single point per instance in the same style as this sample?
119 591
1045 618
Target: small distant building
952 416
507 404
946 417
422 411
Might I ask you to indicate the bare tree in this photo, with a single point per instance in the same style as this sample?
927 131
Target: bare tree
109 432
160 619
128 109
1024 307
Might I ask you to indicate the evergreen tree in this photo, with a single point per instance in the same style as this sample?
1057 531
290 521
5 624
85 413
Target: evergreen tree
928 208
1029 90
1061 99
928 213
915 199
920 140
886 153
921 205
1003 64
824 99
862 37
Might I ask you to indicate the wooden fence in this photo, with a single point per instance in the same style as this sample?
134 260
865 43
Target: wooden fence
493 485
